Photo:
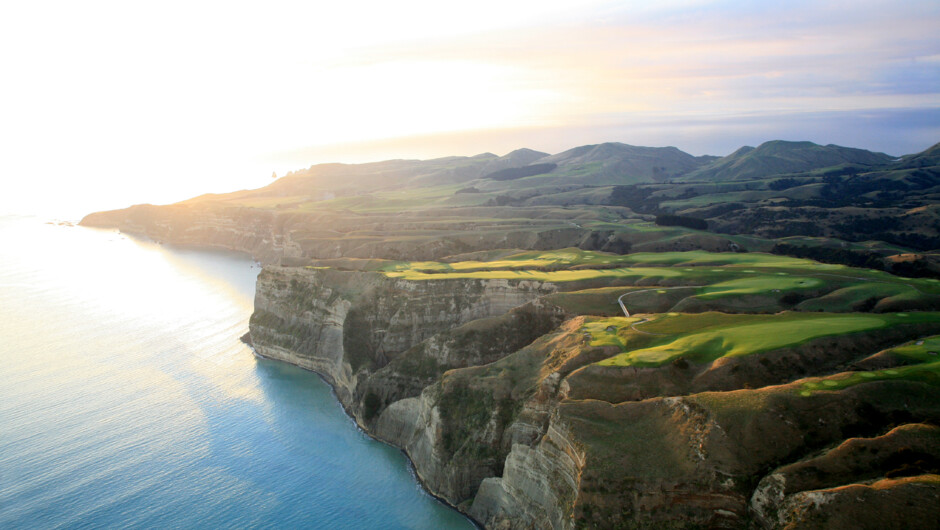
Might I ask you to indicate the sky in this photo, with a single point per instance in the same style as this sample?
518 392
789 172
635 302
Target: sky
104 104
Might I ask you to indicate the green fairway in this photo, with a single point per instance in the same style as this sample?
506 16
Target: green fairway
700 257
926 373
603 332
575 264
757 285
923 351
849 298
525 260
728 264
757 333
562 276
574 257
601 301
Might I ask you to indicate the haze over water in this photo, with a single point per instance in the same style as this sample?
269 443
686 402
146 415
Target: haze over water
128 400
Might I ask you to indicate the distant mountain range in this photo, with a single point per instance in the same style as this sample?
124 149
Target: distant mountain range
613 163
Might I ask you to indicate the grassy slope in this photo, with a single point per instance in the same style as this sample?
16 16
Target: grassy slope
921 360
707 337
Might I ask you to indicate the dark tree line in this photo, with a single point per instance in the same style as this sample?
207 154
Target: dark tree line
787 183
856 258
635 198
666 219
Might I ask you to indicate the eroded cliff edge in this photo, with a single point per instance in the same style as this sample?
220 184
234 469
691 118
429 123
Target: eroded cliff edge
274 236
491 389
384 344
351 325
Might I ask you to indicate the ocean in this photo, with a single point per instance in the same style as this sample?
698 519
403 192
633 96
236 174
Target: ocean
127 400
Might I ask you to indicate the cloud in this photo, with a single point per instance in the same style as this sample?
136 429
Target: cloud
203 95
714 56
895 131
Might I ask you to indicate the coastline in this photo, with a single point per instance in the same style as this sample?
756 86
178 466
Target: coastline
246 338
185 431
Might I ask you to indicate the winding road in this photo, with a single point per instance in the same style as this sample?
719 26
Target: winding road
627 313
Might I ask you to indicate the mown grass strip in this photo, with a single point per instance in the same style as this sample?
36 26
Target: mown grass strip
758 334
926 373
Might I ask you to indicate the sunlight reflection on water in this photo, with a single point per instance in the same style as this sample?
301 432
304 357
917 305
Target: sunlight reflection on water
128 400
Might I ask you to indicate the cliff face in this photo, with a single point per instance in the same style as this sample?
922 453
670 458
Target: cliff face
387 344
474 425
811 492
539 486
348 325
539 479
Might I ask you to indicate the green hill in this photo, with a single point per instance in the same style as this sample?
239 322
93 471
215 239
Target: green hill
616 163
780 157
927 158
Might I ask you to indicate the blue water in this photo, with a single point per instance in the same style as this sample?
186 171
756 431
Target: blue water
127 400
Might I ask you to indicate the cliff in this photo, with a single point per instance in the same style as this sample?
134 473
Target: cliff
295 235
262 233
493 392
271 235
383 342
350 325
